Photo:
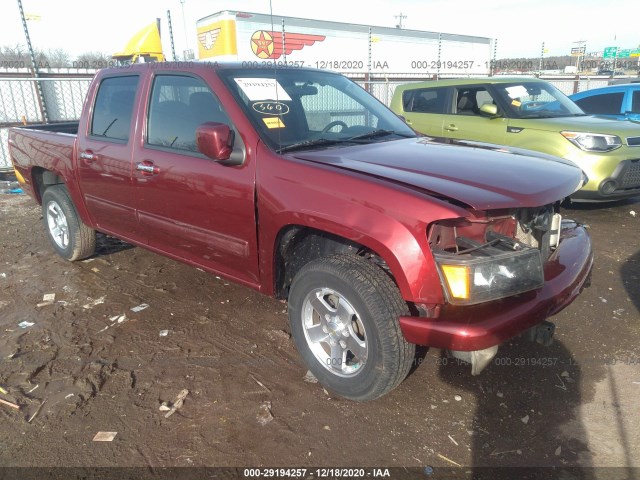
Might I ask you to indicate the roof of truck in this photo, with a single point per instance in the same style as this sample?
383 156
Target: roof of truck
202 66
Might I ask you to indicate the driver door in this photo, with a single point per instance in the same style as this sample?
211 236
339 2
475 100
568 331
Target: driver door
190 206
467 122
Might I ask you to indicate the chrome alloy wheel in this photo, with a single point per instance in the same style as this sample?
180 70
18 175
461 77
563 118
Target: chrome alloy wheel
58 227
334 332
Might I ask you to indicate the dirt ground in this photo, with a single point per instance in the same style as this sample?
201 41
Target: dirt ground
90 364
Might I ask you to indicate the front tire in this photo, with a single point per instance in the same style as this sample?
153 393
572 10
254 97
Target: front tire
343 313
71 238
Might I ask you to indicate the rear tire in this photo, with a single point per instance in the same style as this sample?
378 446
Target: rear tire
71 238
343 313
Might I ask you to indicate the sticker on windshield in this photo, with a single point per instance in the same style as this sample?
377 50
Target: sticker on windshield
273 122
271 108
516 103
262 89
517 91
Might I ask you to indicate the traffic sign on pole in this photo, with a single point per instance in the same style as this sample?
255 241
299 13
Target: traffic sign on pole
578 51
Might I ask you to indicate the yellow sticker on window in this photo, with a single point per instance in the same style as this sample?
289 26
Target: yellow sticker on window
516 103
273 122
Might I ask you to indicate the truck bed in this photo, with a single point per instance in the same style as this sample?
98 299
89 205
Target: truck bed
66 127
46 147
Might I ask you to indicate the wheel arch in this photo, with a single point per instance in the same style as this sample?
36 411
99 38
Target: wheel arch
297 244
42 178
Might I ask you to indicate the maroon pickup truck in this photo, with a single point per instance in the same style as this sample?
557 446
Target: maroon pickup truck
299 184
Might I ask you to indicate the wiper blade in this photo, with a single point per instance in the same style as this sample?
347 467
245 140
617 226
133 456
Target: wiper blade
323 142
318 142
104 134
377 133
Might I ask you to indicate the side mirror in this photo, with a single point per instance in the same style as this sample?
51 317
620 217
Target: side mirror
490 109
214 140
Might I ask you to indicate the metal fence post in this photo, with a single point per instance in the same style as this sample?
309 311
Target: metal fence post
34 65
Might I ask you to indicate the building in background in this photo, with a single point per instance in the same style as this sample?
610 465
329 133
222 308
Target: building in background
342 47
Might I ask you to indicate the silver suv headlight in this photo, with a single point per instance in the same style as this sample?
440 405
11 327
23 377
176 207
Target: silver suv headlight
593 142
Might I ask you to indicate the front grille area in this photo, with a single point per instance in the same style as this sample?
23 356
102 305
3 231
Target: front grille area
534 228
633 141
631 176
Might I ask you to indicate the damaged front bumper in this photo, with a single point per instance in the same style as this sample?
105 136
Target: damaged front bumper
481 328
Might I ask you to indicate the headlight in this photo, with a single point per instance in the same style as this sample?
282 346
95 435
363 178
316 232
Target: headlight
475 279
593 142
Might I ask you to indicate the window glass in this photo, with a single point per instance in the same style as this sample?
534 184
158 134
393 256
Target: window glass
300 109
469 100
533 99
324 104
179 105
635 102
425 100
605 104
114 107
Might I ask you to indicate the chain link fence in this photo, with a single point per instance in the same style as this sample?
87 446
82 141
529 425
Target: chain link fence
21 104
5 162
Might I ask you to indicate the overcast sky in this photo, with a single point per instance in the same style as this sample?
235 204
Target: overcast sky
519 25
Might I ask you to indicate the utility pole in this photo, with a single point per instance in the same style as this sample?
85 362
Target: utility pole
541 58
184 28
36 71
582 48
492 63
400 18
173 47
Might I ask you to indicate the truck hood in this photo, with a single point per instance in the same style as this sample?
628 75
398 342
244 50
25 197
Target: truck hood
482 176
589 123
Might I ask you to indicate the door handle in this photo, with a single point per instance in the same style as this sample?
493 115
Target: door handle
147 168
88 155
451 127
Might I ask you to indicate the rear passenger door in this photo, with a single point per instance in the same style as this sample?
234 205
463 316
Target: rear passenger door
610 104
466 122
633 104
189 206
104 156
423 109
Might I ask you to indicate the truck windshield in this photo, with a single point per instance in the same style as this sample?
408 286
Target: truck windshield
298 109
536 100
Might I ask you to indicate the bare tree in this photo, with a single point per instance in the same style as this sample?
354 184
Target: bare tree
93 60
12 54
17 56
41 59
59 58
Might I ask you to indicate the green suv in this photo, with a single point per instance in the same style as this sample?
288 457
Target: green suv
532 114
